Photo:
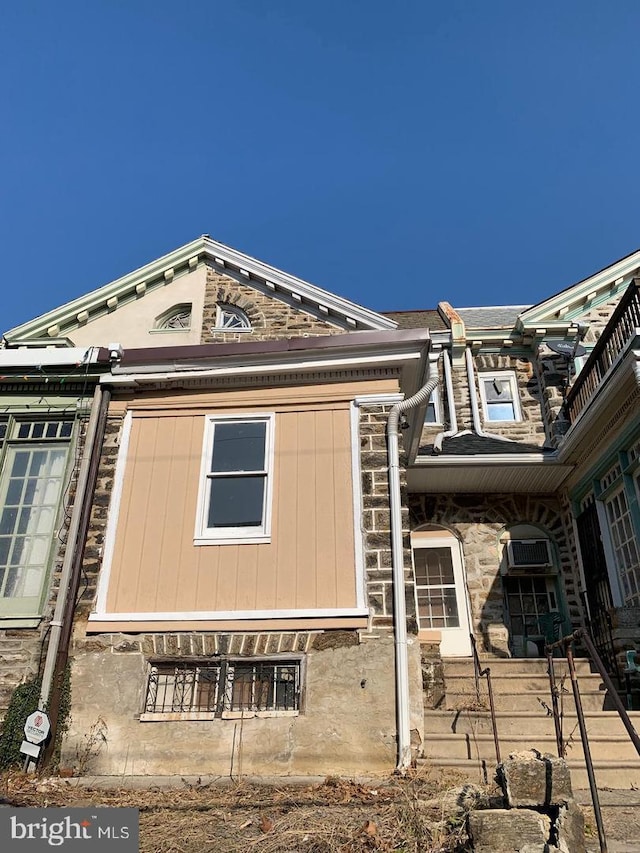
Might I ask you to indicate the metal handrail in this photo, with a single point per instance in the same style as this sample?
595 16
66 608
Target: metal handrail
565 643
486 673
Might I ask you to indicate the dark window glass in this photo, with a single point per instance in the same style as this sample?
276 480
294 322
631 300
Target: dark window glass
236 501
238 447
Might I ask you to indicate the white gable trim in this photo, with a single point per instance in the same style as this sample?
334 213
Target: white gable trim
164 270
585 294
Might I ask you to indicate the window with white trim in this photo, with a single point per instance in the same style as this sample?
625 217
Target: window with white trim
625 548
176 319
436 587
499 395
222 688
34 462
230 318
234 502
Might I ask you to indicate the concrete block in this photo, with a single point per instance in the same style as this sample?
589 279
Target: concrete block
509 831
532 780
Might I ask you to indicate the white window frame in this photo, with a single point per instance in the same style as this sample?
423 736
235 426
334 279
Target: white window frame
162 321
437 409
234 535
237 312
502 375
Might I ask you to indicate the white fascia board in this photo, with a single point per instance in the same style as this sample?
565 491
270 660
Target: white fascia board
43 357
605 278
206 249
156 373
219 615
293 285
38 326
510 459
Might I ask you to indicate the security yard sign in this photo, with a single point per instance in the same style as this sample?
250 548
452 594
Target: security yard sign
37 726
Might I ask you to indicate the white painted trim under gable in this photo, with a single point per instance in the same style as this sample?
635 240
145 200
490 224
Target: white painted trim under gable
378 399
358 533
114 512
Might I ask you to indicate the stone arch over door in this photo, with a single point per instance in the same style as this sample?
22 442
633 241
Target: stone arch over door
478 520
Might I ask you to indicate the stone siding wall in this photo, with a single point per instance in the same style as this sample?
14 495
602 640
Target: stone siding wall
530 429
479 521
271 318
376 521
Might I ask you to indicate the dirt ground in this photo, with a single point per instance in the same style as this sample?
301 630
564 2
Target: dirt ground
414 815
418 814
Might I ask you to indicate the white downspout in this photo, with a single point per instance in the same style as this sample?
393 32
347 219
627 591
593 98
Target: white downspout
397 561
72 535
451 406
475 413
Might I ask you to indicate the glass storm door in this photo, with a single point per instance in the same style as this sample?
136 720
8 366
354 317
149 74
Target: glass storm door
441 593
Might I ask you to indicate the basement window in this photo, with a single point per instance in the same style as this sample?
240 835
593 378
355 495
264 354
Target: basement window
229 689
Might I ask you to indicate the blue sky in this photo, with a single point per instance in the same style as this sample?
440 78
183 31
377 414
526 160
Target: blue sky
396 154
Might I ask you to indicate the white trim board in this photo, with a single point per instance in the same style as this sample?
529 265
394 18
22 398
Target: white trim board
227 615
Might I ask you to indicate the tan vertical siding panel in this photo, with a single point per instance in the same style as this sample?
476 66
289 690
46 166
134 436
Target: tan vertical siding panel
284 563
114 596
343 503
324 513
161 509
305 528
173 576
247 578
136 532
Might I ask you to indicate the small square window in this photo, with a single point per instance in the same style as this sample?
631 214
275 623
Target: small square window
499 394
234 501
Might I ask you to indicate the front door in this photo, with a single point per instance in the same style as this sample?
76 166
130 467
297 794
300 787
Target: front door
531 600
441 592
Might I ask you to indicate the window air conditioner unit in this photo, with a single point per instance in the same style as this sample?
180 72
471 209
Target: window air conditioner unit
528 555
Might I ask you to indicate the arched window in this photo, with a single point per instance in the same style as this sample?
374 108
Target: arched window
177 318
231 318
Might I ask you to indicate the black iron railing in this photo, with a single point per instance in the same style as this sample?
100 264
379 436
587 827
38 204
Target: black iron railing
621 328
479 673
566 644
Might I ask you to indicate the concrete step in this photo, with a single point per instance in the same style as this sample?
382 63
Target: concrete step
504 666
516 698
609 774
481 746
520 683
533 722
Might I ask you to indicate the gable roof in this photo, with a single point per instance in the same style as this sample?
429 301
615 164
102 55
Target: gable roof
424 319
60 321
572 302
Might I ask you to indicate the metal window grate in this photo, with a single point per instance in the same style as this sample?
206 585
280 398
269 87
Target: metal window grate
225 686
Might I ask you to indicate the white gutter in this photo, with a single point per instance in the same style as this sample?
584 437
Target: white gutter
72 535
48 356
397 560
475 413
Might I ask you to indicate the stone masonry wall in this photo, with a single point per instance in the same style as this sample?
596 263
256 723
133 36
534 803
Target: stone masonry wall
376 521
271 318
530 429
479 521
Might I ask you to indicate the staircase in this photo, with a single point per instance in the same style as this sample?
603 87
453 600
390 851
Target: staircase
459 736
